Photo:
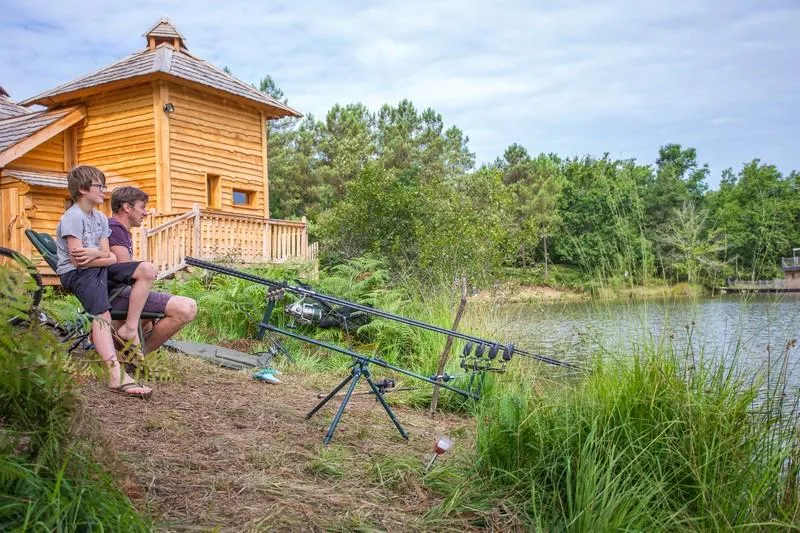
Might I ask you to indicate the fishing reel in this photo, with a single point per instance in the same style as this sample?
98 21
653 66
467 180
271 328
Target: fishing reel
312 311
305 313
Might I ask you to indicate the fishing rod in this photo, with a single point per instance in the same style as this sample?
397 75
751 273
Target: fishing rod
509 349
372 360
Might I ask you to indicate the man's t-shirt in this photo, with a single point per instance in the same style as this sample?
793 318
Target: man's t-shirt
89 228
120 236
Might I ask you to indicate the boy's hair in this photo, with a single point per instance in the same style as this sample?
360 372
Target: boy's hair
126 195
81 178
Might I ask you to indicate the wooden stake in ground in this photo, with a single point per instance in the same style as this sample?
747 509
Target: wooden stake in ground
446 351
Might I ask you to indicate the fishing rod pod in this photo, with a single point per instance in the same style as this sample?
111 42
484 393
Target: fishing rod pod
482 343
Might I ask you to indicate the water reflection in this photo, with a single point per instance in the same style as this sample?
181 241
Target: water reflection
759 327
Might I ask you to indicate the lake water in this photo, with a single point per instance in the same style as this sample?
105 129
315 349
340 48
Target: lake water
757 328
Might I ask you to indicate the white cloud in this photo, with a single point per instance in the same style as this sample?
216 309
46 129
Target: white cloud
622 76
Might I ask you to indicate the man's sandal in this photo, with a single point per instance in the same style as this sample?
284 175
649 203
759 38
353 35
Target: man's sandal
134 354
124 390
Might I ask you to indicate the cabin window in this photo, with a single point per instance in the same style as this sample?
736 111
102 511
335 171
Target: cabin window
244 198
213 191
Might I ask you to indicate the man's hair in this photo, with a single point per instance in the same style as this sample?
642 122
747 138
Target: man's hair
81 178
126 195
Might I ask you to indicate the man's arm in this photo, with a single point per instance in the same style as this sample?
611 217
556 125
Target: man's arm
89 257
118 239
121 253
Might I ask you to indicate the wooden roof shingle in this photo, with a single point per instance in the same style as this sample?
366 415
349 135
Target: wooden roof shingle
8 108
56 180
16 129
164 29
164 60
19 135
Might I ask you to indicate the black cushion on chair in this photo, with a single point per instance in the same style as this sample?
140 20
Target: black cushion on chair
45 245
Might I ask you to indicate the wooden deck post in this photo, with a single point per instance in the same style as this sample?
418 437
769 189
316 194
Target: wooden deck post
143 244
197 251
304 240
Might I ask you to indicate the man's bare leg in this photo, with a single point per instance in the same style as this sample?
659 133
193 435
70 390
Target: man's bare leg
143 277
179 312
103 343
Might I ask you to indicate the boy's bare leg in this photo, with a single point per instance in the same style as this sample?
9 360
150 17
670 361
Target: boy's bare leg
143 277
179 312
104 344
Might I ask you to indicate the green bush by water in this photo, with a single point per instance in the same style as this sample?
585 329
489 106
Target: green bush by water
644 445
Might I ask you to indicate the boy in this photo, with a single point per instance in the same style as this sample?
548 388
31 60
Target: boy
84 263
129 207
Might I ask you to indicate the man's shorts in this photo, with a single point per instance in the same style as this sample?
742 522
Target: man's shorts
121 275
90 286
156 301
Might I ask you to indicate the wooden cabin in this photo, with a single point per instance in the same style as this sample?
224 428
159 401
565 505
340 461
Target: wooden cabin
791 271
186 132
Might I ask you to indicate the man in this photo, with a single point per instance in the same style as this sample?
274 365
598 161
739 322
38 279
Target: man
128 205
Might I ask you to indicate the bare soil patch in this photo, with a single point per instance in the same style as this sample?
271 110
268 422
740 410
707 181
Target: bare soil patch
514 293
214 449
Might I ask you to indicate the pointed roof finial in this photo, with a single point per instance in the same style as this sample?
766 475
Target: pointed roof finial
164 32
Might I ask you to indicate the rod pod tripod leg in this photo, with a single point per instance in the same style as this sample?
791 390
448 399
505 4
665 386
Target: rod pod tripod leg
359 369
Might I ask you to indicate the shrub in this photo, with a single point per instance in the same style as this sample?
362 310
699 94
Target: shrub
48 481
642 445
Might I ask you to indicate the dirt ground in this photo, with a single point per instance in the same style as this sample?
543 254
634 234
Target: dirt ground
525 293
216 450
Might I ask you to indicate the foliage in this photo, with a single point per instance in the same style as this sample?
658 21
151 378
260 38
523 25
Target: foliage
690 248
400 185
758 210
648 443
48 481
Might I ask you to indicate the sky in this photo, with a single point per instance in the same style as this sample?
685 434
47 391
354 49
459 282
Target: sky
568 77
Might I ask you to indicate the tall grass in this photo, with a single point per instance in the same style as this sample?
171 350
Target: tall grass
649 444
48 481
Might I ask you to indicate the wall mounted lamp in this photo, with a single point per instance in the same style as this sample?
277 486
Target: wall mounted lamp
169 107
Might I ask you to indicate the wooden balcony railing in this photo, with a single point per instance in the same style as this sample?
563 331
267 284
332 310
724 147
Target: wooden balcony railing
790 263
214 235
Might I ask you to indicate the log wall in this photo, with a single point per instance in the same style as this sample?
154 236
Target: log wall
118 136
208 135
48 156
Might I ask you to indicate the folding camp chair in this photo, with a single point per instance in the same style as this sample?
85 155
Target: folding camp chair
46 246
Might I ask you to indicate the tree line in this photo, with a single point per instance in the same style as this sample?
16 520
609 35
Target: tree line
399 185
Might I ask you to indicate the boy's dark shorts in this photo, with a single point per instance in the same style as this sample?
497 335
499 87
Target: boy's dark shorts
121 274
90 286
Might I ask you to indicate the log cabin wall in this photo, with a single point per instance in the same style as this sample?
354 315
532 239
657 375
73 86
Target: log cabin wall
118 136
10 211
213 141
48 206
48 156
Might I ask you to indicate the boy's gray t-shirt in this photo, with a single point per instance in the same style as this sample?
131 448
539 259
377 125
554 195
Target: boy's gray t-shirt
88 228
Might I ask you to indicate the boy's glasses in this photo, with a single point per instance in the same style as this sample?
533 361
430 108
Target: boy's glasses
100 186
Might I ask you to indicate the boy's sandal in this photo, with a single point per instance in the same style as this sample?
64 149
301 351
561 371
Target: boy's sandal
125 390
